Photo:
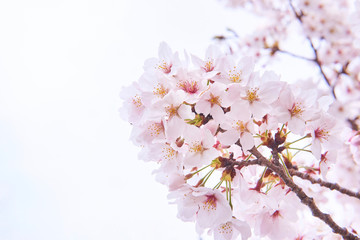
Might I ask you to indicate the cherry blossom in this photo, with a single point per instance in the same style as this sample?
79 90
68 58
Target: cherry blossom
231 230
238 125
213 208
233 71
296 109
166 63
209 66
276 217
133 107
212 101
355 146
325 135
200 150
244 152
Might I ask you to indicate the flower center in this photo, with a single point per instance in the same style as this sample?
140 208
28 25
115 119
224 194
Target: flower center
321 134
240 126
209 65
276 214
168 153
171 111
214 100
251 95
160 91
164 67
225 228
197 147
235 75
137 101
296 110
210 203
155 129
189 86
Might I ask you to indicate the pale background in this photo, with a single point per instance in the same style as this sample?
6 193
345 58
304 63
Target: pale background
67 169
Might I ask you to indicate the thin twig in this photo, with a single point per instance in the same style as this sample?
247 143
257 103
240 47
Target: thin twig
316 60
295 55
331 186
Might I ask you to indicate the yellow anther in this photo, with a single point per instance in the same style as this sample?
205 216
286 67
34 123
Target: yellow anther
296 110
160 91
171 111
235 75
251 95
214 100
136 100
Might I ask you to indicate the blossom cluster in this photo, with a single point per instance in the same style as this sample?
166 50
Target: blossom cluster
326 34
201 120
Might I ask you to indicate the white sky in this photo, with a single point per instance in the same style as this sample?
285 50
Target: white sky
67 169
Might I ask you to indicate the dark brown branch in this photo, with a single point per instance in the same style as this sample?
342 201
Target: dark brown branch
297 15
353 123
275 156
332 186
308 201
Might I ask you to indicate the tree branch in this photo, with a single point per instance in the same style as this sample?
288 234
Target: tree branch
316 60
331 186
306 200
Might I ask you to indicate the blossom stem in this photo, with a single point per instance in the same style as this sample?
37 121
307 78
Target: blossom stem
207 176
300 149
269 185
201 169
282 127
218 184
288 144
263 174
287 133
248 157
227 190
284 165
230 195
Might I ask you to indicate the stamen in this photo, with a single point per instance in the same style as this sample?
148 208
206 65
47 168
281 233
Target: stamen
251 95
160 91
296 110
172 111
210 203
235 75
137 101
209 65
321 134
214 100
164 67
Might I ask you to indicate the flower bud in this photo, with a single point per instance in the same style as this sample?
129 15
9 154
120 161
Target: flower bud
280 138
216 163
197 121
179 142
228 174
